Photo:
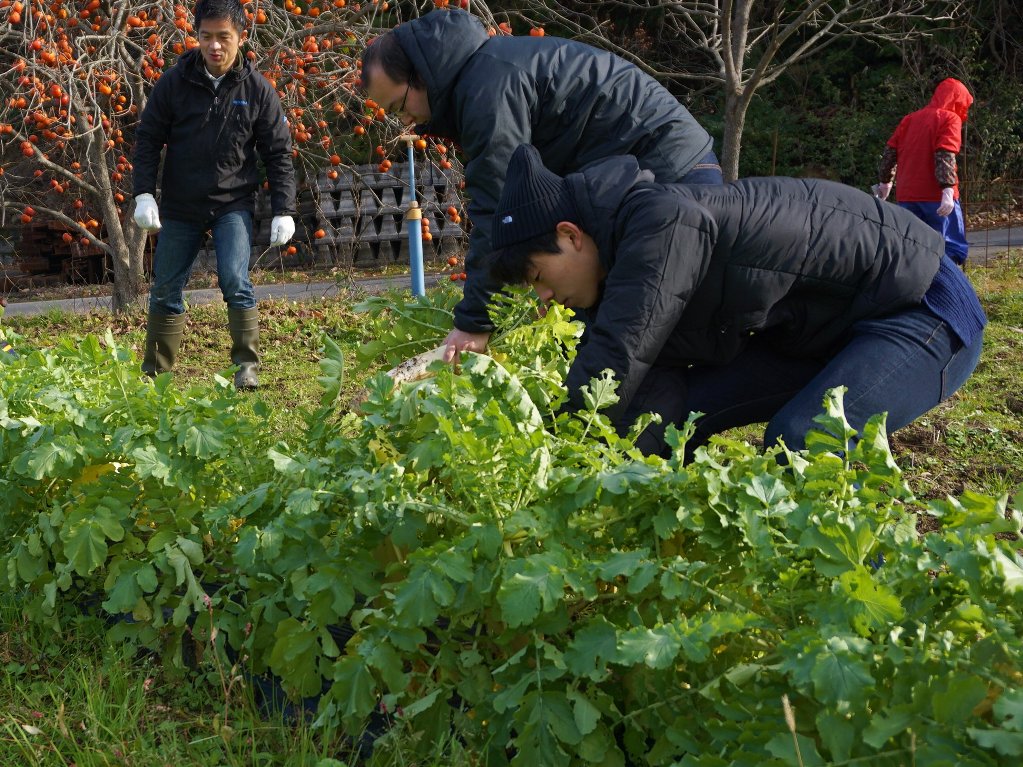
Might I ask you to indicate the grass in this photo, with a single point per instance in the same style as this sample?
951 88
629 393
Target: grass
75 699
290 339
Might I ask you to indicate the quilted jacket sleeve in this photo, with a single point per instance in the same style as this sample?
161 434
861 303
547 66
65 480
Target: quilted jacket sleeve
662 252
273 142
499 123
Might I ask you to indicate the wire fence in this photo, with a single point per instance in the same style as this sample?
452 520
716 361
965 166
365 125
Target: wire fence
994 218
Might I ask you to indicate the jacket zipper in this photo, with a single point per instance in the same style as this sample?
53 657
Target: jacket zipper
209 112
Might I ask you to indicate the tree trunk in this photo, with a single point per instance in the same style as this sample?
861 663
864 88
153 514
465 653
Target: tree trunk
129 278
124 241
126 246
731 140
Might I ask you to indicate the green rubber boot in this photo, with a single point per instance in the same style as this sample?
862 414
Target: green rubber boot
244 326
163 337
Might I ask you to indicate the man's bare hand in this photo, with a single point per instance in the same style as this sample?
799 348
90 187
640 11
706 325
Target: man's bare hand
460 341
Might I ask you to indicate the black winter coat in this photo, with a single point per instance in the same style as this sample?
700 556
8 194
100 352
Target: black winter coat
694 271
576 104
212 138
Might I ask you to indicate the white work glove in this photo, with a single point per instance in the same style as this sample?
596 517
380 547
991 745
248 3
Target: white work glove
147 214
881 191
947 203
282 228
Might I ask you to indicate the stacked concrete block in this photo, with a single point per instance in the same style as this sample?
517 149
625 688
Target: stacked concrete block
362 215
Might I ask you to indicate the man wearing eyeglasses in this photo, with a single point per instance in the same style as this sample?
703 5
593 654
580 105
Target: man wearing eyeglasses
445 75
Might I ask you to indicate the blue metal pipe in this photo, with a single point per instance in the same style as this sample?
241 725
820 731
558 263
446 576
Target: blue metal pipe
413 222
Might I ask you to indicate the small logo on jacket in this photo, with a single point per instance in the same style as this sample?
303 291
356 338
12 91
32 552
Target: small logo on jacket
240 103
506 220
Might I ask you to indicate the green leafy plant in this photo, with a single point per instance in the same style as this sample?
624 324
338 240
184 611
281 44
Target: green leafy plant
515 582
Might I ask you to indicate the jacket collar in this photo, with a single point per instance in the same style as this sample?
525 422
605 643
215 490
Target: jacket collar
597 191
194 68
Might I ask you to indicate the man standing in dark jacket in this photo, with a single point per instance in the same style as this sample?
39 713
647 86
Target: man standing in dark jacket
746 302
213 112
576 104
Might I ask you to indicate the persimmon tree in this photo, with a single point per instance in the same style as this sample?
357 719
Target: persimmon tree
75 76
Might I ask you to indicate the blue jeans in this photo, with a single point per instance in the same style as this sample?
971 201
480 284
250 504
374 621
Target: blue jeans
902 365
706 171
951 227
177 248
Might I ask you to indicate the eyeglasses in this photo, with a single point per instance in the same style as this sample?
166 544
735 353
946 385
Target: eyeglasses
401 109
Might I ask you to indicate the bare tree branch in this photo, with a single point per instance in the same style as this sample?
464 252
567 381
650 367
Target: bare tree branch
741 45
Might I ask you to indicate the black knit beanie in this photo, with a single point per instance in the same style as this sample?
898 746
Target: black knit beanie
533 200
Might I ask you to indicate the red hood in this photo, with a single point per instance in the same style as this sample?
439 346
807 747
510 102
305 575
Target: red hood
953 96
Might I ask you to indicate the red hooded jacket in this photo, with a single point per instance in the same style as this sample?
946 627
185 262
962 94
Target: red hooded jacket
938 126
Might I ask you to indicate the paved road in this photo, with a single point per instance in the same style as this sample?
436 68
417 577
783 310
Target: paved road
295 291
988 243
984 245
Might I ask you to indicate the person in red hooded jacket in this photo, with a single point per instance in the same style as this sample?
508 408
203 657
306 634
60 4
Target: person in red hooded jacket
920 158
